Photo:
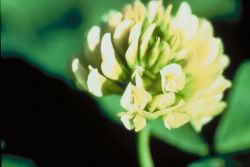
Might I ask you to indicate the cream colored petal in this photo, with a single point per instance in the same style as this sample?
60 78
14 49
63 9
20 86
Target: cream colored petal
155 53
205 28
139 11
93 37
183 13
220 85
138 80
211 52
215 109
80 74
139 123
175 120
192 62
167 15
154 8
162 101
190 27
95 82
202 36
121 35
135 98
127 121
135 32
113 18
198 123
175 41
128 12
224 61
110 66
180 107
173 78
132 51
92 47
164 58
147 35
100 85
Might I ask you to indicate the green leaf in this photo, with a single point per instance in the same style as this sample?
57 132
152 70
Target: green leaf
52 55
209 162
184 138
39 34
16 161
222 9
233 133
110 106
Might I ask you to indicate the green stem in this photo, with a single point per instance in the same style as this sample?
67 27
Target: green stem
145 158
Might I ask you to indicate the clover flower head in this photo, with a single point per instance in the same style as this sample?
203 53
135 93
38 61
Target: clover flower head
163 65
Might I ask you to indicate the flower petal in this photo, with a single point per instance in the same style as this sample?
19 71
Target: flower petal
127 121
80 74
99 85
175 119
147 35
135 98
139 123
110 66
121 35
162 101
173 78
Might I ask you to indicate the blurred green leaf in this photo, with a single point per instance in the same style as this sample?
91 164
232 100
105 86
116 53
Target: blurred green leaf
39 34
233 133
209 162
51 55
16 161
220 9
184 138
110 105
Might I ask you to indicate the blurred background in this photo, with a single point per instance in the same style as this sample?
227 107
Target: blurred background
49 123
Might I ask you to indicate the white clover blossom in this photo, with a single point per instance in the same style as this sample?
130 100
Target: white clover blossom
164 66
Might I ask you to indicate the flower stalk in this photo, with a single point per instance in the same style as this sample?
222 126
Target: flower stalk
144 153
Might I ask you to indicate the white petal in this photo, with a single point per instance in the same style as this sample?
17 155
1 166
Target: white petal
155 53
224 61
173 78
135 32
121 35
167 15
198 123
127 121
191 27
132 53
175 119
147 35
211 52
183 12
110 66
96 82
154 7
80 74
135 98
93 37
162 101
139 123
113 19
